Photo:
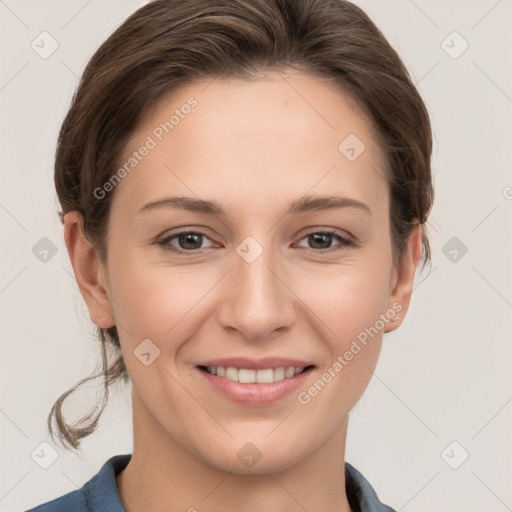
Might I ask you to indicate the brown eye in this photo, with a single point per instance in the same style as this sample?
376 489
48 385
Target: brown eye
322 240
187 241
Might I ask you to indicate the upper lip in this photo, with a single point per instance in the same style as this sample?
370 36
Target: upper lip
255 364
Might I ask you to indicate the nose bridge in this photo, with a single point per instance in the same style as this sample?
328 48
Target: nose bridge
257 282
258 301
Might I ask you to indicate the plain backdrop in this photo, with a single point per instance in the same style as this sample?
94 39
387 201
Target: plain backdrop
432 431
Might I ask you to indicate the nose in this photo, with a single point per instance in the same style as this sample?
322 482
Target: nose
258 303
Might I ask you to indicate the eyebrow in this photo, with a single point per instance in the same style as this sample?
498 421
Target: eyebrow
306 203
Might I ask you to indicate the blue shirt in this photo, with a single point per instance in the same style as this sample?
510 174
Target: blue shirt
99 494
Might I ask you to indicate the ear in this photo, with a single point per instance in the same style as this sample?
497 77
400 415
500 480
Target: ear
90 272
402 279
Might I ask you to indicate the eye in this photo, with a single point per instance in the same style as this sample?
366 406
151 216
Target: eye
322 240
189 242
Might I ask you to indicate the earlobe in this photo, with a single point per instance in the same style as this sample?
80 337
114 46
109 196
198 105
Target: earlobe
90 272
403 278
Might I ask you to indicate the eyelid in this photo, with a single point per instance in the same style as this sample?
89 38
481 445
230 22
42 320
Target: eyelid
346 240
333 231
168 235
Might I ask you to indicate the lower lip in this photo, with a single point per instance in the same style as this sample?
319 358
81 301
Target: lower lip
255 393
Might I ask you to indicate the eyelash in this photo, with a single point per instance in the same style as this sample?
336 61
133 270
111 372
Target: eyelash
345 242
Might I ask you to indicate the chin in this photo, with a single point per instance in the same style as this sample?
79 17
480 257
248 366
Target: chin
258 456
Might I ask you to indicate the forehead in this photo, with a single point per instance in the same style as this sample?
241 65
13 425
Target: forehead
281 134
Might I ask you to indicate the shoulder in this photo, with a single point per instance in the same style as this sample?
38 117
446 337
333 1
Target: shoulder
74 500
360 494
97 494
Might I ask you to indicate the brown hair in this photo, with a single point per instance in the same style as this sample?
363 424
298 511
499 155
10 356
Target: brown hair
167 43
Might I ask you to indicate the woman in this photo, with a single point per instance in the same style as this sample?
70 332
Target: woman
244 188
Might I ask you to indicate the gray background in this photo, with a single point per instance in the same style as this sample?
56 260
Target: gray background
443 377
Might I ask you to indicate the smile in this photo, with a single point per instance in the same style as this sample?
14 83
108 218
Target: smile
250 376
252 382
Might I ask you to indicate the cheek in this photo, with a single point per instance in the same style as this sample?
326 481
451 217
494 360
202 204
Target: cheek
151 300
159 300
349 306
347 299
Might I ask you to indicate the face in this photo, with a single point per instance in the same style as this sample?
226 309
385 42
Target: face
266 277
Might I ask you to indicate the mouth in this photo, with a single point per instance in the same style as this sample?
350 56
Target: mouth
254 383
251 376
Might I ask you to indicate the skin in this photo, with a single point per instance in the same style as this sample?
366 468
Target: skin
253 146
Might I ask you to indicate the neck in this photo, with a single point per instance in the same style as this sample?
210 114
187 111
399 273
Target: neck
163 475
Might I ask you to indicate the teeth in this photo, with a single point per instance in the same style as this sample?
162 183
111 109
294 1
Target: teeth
265 376
279 373
231 373
246 376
